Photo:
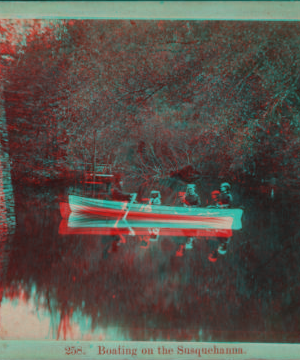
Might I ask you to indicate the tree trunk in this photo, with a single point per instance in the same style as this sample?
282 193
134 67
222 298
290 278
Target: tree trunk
7 203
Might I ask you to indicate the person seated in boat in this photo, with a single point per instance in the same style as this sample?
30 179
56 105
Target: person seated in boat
180 201
215 199
225 202
225 195
116 191
155 198
191 197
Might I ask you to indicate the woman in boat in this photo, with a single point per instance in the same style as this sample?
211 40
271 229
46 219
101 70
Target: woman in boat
215 199
180 199
192 198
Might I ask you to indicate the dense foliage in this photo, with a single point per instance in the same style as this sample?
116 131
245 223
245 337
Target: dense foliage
156 96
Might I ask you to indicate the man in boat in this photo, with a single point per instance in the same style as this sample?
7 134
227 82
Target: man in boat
191 197
116 191
225 201
225 195
155 198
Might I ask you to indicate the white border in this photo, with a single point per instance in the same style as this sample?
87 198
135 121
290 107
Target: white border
170 10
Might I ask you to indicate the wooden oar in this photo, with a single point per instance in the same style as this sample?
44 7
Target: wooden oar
133 197
128 209
116 225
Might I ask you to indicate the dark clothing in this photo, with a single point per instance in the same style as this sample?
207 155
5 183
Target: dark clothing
118 195
214 205
226 199
178 202
192 200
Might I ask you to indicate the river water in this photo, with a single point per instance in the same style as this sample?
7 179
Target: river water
93 287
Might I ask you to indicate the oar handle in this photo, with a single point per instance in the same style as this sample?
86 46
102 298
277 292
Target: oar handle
133 197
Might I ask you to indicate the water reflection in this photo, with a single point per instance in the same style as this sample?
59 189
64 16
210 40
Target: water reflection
102 227
7 219
95 286
4 259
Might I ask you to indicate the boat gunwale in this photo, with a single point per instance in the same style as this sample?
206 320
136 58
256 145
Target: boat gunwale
155 209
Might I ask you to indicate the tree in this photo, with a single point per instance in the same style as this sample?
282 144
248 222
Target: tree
211 90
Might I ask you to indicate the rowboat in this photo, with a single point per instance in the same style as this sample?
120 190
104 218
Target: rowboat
152 215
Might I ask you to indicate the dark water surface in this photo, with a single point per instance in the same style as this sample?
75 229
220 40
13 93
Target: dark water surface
91 287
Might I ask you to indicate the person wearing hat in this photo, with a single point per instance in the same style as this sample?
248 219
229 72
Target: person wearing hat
225 195
155 198
225 201
191 197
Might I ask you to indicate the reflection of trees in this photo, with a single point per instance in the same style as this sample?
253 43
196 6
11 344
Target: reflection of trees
145 292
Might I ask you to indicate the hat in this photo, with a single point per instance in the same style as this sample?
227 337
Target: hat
155 193
226 185
191 186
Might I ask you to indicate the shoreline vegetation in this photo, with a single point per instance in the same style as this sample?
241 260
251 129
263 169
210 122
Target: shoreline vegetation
152 97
